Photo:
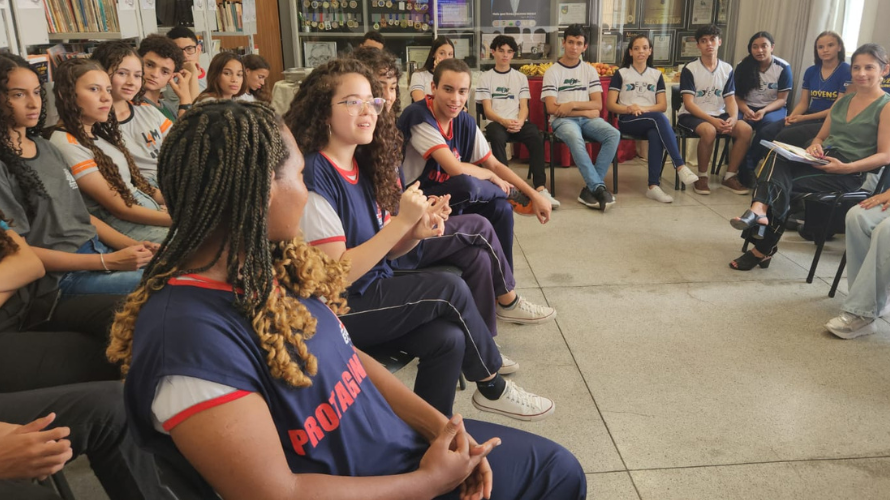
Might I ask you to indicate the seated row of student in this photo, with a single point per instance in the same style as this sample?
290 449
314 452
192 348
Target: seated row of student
352 178
447 154
225 78
266 359
89 139
823 83
637 96
163 63
38 191
191 48
470 243
572 96
47 372
762 83
855 139
868 269
421 82
710 108
504 95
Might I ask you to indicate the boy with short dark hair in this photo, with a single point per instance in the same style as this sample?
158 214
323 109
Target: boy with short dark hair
372 39
573 96
504 95
709 108
187 41
162 62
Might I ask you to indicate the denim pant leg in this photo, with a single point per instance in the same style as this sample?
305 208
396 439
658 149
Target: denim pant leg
608 136
868 261
568 130
761 129
97 282
657 129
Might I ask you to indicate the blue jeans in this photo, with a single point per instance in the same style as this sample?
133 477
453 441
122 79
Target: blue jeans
656 128
762 130
98 282
574 130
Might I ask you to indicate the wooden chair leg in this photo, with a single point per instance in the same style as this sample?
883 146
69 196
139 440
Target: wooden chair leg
837 276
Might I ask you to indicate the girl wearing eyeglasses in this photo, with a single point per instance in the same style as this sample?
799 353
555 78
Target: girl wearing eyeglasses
225 78
352 161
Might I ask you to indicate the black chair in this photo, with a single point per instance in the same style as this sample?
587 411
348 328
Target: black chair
682 134
550 136
58 483
613 119
480 115
394 359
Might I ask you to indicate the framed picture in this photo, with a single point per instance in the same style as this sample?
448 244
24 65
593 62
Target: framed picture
619 14
417 54
317 53
701 13
723 11
610 47
663 14
687 48
663 47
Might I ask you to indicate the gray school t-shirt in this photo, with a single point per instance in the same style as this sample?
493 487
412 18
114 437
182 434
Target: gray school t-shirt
61 220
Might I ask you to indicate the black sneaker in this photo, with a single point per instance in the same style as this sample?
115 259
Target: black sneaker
586 198
604 197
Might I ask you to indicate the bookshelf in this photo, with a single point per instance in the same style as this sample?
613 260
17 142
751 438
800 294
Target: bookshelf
221 19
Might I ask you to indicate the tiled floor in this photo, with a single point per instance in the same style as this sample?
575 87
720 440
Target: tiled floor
676 377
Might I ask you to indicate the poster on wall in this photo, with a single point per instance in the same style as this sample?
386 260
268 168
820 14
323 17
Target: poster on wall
663 13
453 13
318 53
515 13
620 14
663 47
701 13
571 13
610 47
687 47
723 11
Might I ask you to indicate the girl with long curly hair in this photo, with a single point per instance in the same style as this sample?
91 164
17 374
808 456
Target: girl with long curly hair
256 73
142 125
90 141
225 78
236 362
351 175
82 254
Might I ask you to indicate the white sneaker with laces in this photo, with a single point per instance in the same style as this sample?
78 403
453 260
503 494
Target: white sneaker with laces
687 176
656 193
554 203
508 366
516 403
849 326
525 313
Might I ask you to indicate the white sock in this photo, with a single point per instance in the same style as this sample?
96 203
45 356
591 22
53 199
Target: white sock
729 175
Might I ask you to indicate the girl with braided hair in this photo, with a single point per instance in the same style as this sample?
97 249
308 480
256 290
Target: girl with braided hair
239 372
225 78
142 125
90 141
351 173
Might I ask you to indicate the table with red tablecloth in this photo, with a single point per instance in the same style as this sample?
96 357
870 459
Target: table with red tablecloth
626 150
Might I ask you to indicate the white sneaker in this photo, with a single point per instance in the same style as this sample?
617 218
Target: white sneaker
508 366
516 403
655 193
524 312
553 201
687 176
850 326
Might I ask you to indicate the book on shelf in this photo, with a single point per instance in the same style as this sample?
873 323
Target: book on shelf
81 16
792 153
40 64
229 16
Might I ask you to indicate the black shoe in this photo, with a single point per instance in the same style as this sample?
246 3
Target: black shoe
604 197
586 198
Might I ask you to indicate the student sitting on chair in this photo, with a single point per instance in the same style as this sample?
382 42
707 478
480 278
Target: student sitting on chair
446 152
573 96
709 108
504 95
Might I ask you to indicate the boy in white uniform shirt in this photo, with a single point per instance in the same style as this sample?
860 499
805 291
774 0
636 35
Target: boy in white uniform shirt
709 108
572 94
504 95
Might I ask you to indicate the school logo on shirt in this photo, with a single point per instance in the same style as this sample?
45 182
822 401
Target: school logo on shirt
639 87
71 182
380 225
343 332
151 139
768 86
712 92
501 93
823 94
570 84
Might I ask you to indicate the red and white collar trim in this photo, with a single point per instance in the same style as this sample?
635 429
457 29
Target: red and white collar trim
450 134
351 176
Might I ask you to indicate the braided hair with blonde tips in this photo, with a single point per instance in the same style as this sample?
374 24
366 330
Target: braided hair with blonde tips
10 147
308 116
220 158
65 78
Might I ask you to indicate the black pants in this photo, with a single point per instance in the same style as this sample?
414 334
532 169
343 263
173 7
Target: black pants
95 414
779 178
530 137
431 316
67 349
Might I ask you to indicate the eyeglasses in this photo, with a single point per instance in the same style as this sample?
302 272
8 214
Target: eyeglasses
190 49
355 106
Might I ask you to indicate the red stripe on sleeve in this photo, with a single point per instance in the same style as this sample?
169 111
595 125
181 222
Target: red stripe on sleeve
429 152
198 408
327 240
480 162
